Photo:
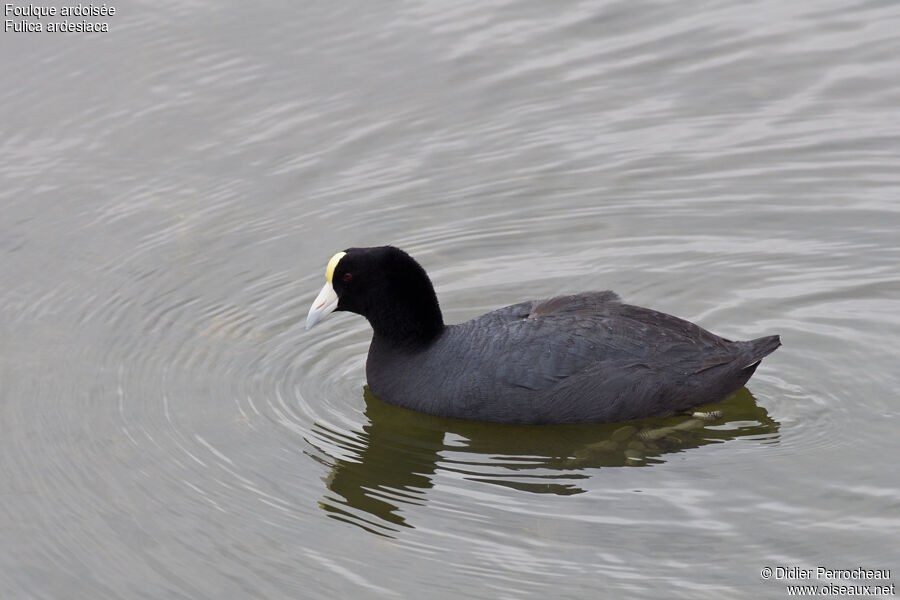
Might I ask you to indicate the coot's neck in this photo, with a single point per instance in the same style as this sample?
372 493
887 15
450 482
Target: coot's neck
411 319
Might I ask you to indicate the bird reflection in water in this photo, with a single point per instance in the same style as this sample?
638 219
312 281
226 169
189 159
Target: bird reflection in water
391 463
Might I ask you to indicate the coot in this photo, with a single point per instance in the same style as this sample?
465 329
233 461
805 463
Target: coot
584 358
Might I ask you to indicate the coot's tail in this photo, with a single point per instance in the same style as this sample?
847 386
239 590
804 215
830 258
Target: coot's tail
760 348
753 353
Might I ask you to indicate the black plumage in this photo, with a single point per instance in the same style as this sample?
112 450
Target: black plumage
585 358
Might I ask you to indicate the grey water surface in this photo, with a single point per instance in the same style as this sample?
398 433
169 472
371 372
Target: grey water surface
171 191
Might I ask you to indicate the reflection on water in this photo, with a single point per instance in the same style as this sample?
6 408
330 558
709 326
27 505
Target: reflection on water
392 462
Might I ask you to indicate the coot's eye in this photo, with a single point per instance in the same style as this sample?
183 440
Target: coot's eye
348 276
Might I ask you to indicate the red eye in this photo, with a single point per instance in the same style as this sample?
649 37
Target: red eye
348 276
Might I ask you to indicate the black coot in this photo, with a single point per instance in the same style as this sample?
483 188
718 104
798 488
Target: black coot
585 358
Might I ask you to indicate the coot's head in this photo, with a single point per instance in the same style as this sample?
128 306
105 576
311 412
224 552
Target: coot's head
387 287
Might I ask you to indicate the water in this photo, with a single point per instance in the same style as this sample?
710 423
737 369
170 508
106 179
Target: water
172 190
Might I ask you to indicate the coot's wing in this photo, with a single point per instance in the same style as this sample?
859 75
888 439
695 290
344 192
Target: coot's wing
585 304
536 345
